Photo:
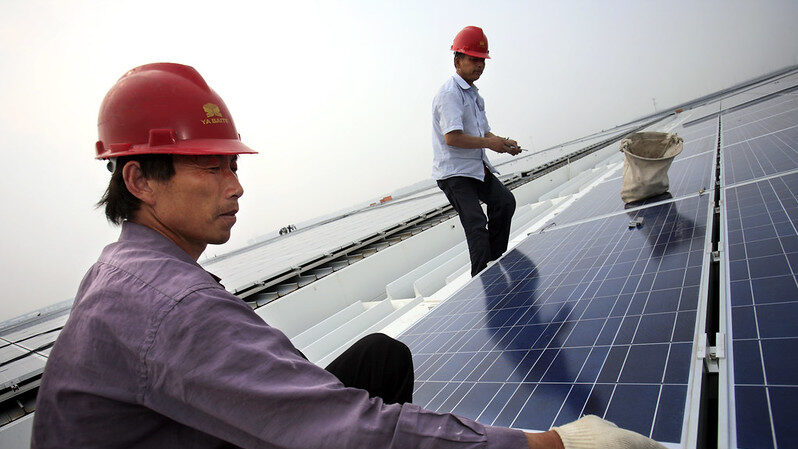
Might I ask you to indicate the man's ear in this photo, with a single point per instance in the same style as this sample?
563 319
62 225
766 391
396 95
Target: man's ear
136 183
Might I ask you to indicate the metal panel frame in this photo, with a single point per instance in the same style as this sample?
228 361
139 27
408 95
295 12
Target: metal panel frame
694 383
727 416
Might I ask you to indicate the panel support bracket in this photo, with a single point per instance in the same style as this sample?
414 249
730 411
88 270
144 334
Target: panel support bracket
712 354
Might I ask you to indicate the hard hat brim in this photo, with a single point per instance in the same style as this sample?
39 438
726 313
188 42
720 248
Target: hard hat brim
475 54
194 147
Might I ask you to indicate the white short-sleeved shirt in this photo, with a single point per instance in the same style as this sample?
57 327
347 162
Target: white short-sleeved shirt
458 106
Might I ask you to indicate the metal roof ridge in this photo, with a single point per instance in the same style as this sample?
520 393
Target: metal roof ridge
256 245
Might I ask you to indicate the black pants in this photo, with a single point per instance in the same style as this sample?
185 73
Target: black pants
378 364
487 237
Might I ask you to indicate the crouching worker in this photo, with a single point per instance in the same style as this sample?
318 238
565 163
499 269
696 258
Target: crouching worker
157 354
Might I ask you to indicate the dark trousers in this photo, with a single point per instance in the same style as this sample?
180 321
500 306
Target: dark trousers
487 237
378 364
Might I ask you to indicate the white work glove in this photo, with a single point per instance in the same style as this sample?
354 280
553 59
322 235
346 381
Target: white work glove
592 432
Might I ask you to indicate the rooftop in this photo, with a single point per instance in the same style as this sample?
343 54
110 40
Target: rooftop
384 267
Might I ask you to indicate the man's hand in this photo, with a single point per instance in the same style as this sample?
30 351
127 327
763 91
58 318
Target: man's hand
490 141
592 432
515 149
502 145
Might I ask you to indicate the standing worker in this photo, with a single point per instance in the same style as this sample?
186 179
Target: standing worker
460 135
157 354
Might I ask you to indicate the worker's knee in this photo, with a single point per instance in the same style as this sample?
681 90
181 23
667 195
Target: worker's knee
376 339
474 222
505 205
509 202
383 343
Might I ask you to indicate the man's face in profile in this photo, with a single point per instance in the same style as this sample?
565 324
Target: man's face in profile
470 68
199 203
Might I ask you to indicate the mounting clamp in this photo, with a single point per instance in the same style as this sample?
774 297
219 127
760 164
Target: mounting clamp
636 223
712 354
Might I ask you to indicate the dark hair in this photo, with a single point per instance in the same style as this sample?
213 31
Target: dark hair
119 203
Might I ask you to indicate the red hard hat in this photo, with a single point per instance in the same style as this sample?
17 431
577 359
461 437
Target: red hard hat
165 108
471 41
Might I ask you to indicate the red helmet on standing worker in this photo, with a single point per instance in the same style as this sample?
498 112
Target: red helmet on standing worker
165 108
471 41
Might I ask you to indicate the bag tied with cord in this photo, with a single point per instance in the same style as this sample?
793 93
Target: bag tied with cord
648 157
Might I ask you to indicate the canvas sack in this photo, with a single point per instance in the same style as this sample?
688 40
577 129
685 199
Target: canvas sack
648 157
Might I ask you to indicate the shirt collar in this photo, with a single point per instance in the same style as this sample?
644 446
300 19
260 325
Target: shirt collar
146 236
216 278
463 83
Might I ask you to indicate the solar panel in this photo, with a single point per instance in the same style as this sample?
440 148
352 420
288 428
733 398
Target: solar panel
10 352
761 245
700 145
698 139
743 100
593 318
20 370
39 341
760 140
246 267
48 325
758 119
687 176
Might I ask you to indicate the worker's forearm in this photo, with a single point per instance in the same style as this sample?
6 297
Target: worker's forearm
460 140
493 142
544 440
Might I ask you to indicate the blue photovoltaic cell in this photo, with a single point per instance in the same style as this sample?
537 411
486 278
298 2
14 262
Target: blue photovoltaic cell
687 176
759 119
594 318
760 140
763 288
698 138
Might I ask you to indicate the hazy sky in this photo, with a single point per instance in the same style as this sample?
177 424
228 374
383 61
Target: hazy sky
335 96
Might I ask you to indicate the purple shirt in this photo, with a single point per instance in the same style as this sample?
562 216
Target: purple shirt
157 354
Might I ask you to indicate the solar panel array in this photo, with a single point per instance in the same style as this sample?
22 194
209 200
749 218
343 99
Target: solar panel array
688 176
23 352
763 263
594 317
761 140
691 172
759 155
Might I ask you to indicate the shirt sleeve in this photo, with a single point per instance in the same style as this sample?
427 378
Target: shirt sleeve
449 110
481 106
214 365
